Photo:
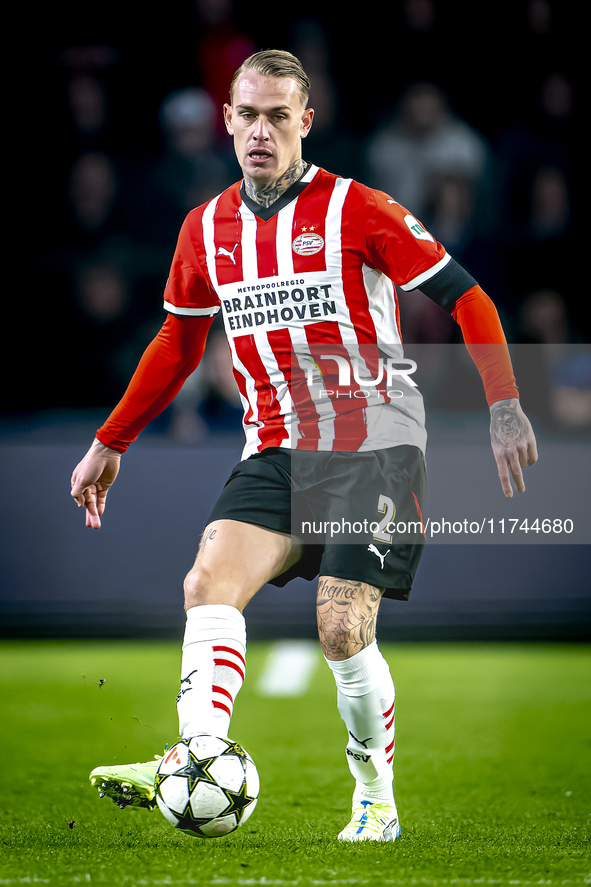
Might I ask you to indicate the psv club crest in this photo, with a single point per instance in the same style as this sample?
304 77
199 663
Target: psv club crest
307 244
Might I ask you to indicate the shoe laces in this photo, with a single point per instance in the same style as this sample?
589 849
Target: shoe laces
372 815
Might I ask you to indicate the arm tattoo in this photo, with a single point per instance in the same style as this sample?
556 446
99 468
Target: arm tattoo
508 425
347 613
267 193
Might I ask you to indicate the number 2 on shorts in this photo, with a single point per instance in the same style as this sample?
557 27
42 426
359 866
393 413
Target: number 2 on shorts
388 509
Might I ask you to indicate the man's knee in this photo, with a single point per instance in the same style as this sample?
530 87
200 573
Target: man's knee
199 587
346 611
334 639
214 581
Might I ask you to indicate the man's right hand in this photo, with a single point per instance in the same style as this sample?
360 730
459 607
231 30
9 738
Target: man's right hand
91 480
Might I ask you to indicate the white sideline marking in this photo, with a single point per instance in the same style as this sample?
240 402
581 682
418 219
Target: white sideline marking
289 668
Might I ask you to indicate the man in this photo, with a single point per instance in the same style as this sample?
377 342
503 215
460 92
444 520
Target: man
302 265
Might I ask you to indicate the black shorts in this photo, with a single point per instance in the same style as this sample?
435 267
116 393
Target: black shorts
359 516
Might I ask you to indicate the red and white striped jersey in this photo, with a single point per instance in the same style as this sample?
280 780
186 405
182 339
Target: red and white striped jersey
305 286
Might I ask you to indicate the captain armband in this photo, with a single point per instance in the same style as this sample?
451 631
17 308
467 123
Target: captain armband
448 285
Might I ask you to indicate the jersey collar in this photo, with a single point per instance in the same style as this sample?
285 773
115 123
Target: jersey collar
294 190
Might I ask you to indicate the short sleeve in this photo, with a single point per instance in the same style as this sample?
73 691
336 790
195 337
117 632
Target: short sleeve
399 245
188 289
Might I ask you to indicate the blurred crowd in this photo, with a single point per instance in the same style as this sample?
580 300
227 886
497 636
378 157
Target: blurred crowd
484 157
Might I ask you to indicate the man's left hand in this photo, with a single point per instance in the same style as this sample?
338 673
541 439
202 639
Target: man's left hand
513 443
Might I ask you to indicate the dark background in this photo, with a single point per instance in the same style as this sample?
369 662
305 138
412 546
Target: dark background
96 197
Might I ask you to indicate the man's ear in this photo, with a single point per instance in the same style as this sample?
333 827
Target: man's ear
306 122
228 119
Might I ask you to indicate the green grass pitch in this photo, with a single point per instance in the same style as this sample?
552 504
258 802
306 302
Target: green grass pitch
493 766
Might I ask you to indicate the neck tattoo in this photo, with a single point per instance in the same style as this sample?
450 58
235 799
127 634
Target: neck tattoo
267 193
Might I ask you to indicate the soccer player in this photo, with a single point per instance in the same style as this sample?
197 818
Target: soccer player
302 264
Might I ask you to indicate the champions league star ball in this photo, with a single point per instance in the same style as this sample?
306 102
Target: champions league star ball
207 786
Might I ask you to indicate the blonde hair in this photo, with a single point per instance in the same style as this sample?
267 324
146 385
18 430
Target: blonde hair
275 63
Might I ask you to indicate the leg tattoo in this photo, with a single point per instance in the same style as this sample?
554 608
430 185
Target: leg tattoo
346 612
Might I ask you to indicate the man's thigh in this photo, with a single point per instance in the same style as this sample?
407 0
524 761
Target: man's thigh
234 560
368 515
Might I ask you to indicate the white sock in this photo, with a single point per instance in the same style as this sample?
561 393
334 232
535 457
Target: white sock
365 697
212 669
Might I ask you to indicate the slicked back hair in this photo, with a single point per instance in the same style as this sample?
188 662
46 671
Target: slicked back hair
275 63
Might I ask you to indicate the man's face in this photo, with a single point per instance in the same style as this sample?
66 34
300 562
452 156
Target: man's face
268 122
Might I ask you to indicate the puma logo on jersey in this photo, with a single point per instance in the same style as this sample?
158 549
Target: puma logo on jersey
375 551
222 251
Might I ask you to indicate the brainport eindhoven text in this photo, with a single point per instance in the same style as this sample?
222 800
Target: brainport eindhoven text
305 303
